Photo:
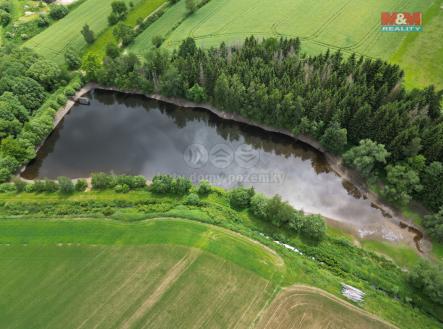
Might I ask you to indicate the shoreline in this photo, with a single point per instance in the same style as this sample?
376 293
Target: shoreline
335 162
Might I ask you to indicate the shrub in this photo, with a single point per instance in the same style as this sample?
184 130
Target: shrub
133 182
240 197
50 186
119 12
76 85
259 204
428 279
191 6
434 225
196 94
334 139
192 199
167 184
88 34
112 50
65 185
73 59
204 188
42 186
162 184
62 99
102 181
7 188
138 182
20 186
43 20
30 188
5 175
182 185
401 182
157 41
5 17
121 188
58 12
366 156
9 163
81 185
39 186
69 91
314 227
279 212
113 19
124 33
108 211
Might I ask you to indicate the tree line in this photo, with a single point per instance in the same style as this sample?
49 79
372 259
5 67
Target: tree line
32 89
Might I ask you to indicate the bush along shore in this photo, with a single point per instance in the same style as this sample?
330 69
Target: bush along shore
316 256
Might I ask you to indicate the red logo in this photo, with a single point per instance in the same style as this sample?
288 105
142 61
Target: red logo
401 19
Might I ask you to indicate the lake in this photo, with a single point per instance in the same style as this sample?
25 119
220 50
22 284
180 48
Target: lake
129 134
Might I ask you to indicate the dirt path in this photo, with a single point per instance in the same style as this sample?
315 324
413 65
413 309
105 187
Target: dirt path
168 280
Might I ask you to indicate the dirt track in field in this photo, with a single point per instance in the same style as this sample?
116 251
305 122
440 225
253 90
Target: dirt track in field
169 279
310 308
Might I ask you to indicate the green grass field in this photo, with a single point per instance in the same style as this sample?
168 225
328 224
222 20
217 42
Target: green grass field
172 16
156 274
160 273
349 25
53 41
421 55
142 10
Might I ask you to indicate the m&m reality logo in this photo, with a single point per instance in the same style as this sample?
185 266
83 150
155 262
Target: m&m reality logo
401 22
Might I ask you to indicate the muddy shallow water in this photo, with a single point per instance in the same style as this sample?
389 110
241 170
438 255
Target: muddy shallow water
131 134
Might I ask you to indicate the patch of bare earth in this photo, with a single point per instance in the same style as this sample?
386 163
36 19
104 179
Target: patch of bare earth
310 308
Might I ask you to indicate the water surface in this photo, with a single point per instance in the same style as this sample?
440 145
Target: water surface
127 134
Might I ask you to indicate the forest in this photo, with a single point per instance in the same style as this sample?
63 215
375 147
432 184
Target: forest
355 106
32 89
